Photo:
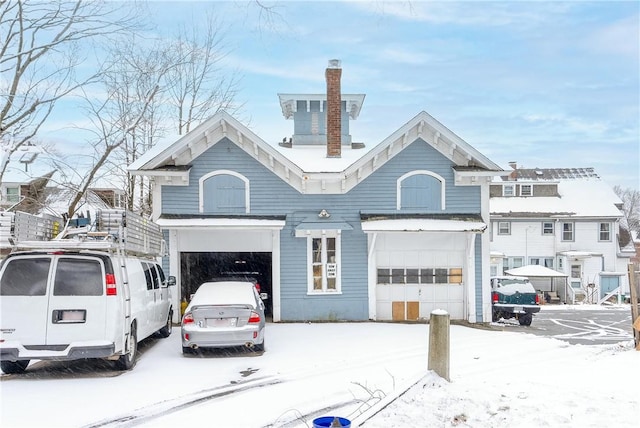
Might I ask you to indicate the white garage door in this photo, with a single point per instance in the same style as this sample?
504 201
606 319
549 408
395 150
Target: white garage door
418 273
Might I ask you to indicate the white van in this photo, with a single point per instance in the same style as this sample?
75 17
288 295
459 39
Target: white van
75 299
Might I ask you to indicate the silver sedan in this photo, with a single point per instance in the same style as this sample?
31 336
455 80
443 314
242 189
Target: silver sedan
224 314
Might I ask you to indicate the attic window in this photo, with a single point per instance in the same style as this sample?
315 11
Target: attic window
420 190
526 190
508 190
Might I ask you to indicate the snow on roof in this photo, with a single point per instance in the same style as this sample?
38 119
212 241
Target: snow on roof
313 158
535 271
589 197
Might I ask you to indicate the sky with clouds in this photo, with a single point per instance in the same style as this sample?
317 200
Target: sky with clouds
545 84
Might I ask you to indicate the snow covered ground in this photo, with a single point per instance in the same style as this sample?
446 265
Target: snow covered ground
374 374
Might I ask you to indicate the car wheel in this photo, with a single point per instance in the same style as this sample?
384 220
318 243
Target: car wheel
258 347
186 350
166 330
128 360
496 316
14 367
525 319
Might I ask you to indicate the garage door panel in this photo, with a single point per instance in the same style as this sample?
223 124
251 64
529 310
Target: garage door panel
412 292
442 293
427 293
426 308
397 292
456 292
383 310
455 312
398 312
383 292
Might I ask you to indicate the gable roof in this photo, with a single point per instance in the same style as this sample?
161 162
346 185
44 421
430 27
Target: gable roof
544 174
308 169
578 189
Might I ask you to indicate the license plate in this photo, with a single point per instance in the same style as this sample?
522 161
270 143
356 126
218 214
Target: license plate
73 316
517 309
221 322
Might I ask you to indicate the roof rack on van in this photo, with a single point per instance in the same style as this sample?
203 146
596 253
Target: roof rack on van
112 229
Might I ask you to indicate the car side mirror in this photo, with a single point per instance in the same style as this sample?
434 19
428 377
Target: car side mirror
171 281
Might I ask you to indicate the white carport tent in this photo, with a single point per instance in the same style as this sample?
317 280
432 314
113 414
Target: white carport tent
538 271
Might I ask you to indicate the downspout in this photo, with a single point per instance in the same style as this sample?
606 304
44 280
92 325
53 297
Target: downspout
371 268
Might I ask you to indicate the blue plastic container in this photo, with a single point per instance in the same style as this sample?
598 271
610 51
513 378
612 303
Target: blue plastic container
331 422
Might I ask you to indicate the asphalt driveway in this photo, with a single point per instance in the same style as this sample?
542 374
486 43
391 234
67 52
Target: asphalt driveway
578 324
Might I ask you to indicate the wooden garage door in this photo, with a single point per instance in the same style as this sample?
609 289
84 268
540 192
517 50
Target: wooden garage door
411 294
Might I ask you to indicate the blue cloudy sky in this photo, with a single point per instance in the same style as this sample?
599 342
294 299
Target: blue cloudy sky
545 84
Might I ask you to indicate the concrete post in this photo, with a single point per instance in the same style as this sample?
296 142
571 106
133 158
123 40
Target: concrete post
439 343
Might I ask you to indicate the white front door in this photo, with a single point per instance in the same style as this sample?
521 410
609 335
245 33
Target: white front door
576 275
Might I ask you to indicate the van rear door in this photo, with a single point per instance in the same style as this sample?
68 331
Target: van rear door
24 298
77 306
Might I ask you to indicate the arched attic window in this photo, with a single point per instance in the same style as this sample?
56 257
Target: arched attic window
224 192
421 190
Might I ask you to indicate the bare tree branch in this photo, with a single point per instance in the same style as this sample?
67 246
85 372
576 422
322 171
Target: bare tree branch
198 85
39 53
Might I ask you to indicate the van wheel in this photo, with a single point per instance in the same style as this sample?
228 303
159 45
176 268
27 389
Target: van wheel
128 360
166 330
14 367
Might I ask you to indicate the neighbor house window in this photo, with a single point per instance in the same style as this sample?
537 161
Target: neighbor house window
420 190
547 228
567 231
512 263
13 194
508 190
504 228
323 249
605 232
542 261
526 190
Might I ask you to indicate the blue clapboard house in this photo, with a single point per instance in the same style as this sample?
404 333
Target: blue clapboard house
330 228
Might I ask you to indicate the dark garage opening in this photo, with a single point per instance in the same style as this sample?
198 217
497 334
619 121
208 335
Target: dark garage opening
196 268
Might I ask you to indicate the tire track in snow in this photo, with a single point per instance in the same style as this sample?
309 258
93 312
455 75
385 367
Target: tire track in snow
166 407
153 411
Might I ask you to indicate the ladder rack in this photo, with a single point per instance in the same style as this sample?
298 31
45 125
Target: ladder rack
112 230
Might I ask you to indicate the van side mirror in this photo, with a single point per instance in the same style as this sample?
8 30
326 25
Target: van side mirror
171 280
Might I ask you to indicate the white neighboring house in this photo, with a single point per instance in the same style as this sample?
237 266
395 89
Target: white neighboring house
566 219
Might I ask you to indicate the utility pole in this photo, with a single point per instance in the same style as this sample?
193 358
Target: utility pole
633 289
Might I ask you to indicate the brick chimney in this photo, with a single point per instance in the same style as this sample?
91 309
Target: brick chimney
513 176
334 109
